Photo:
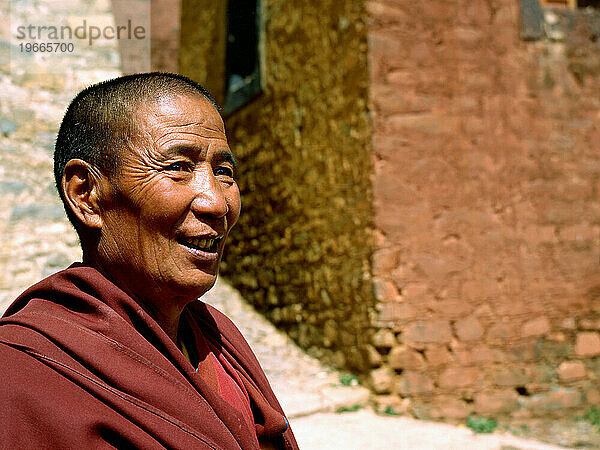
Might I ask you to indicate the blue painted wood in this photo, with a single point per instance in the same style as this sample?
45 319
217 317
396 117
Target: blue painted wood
532 19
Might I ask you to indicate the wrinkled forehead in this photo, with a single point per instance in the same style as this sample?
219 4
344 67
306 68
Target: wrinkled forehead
172 113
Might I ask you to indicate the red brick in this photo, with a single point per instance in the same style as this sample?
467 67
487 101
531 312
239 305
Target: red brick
587 344
434 332
468 329
570 371
496 402
535 327
405 358
460 377
415 383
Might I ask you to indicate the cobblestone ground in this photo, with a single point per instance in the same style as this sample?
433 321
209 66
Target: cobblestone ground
36 240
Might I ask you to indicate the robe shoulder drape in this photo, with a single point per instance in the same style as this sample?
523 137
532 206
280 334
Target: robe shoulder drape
82 365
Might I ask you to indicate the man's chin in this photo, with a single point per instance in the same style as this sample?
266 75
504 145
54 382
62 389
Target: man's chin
197 286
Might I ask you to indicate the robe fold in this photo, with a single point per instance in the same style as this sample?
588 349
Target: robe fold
82 365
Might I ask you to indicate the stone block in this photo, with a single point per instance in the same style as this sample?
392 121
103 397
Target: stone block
544 373
470 355
460 377
587 344
570 371
385 260
390 313
523 352
589 324
468 329
425 123
337 396
386 13
509 376
496 402
399 405
552 350
536 327
381 380
412 383
372 356
415 291
385 290
568 323
556 400
437 355
385 46
406 358
593 396
383 339
450 408
502 332
430 332
388 99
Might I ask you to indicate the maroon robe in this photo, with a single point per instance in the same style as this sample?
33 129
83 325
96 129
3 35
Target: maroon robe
82 365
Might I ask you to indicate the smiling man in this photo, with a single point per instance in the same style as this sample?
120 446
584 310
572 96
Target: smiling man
117 351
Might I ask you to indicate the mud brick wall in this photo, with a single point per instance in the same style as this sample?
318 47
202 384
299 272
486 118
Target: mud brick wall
301 250
487 208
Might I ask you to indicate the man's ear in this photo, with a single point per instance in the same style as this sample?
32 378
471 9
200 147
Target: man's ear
81 186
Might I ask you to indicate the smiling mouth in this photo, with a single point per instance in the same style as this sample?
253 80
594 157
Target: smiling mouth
203 244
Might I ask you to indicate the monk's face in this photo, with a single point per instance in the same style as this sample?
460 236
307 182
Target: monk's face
174 199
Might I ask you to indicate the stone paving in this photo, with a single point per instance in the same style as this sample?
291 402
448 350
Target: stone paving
36 240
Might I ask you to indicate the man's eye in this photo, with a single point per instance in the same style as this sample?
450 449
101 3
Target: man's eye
224 171
178 166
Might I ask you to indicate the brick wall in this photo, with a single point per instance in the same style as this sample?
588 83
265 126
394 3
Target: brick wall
486 183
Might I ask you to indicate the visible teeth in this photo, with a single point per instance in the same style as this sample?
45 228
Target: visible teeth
203 244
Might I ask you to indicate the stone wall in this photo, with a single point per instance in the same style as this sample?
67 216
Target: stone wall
487 207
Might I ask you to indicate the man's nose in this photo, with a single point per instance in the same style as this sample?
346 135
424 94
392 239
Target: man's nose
209 196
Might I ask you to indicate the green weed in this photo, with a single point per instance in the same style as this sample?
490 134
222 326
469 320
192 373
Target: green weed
390 411
345 409
348 379
481 424
591 416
